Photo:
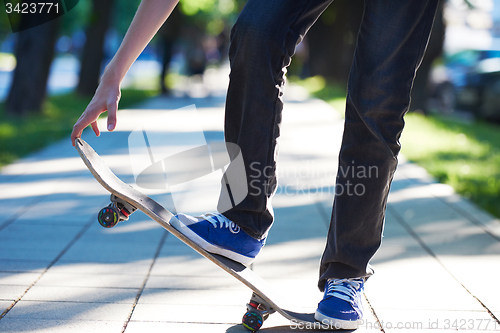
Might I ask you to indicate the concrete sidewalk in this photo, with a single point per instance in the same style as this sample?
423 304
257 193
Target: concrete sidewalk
60 271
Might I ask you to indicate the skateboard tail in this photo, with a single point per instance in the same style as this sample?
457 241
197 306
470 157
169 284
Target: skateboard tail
101 171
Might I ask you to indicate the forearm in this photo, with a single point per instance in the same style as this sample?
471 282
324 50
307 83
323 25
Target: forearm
149 17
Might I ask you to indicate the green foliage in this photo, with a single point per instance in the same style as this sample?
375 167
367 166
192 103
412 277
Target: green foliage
123 13
192 7
76 18
21 136
70 22
210 15
5 28
216 8
80 16
333 93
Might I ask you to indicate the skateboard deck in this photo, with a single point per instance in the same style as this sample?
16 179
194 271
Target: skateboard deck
126 199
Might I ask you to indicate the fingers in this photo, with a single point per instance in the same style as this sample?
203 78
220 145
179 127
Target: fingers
77 131
112 108
87 118
95 128
74 135
105 99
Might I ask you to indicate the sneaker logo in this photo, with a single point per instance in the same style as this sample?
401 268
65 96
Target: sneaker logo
234 228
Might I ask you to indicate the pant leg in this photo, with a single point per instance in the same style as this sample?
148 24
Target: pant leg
263 41
390 46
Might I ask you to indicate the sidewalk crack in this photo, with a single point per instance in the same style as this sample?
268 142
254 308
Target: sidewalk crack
146 279
71 243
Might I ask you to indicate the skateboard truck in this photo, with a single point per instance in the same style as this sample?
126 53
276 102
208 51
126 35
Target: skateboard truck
117 211
257 312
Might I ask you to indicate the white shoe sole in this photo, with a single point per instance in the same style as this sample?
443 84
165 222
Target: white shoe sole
211 248
338 324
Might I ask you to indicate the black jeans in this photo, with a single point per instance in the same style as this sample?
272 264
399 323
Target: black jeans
391 43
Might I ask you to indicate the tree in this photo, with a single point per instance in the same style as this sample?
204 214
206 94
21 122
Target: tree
93 51
34 53
332 40
339 26
420 93
168 36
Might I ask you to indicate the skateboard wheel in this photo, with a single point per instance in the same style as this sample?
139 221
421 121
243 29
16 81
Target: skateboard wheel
252 320
108 217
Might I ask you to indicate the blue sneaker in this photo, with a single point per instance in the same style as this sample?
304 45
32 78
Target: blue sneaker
215 233
341 306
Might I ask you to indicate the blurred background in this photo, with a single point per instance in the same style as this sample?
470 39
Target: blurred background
48 74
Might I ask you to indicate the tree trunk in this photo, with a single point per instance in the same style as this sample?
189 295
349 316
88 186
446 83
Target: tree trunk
93 51
420 93
169 34
332 40
34 54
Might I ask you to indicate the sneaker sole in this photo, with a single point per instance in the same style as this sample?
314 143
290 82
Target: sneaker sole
336 323
209 247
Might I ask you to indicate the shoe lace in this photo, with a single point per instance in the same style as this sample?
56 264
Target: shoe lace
223 222
345 289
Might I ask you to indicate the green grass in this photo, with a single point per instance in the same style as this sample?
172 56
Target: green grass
333 94
462 154
20 136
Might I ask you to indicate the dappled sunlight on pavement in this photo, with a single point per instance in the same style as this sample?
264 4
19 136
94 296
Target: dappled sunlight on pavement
60 271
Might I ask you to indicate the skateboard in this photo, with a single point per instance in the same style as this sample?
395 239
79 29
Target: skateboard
125 200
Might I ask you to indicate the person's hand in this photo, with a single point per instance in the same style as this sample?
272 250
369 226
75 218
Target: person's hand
106 98
148 18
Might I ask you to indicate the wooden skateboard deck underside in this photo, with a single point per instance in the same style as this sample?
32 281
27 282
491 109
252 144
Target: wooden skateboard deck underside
155 211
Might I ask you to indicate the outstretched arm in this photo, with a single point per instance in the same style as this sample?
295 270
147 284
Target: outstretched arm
149 17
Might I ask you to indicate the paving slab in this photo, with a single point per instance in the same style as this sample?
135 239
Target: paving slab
38 242
93 247
12 292
81 294
162 327
222 282
470 271
29 310
18 278
434 288
4 304
17 265
16 325
184 264
395 320
458 235
204 297
62 209
91 280
133 268
192 313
